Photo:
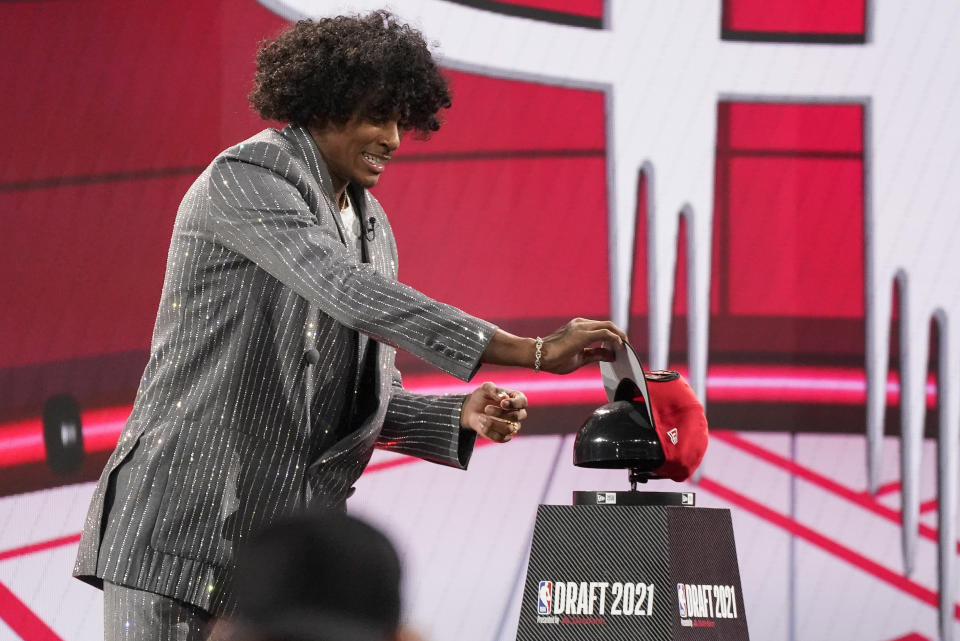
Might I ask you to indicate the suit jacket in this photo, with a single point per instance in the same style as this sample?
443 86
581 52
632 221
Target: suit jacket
254 402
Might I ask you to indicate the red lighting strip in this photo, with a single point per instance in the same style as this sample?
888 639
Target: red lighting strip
813 385
21 442
725 383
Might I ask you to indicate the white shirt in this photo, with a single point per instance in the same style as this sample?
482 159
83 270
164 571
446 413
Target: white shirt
352 225
353 228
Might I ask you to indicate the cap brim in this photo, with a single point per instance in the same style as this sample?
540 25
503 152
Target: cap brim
626 366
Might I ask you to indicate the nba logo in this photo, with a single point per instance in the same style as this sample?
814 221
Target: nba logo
544 597
682 600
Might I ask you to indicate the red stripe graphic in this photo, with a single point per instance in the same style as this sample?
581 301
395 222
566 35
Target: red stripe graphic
15 612
888 488
811 536
39 547
22 620
31 628
842 552
861 499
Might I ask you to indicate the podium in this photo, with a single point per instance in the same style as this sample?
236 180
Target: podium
632 572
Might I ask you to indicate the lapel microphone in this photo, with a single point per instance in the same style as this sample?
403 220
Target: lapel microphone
370 233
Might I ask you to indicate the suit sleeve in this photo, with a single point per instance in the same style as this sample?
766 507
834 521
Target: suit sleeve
427 427
258 208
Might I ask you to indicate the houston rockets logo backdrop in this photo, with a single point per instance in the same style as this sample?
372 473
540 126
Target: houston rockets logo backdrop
765 194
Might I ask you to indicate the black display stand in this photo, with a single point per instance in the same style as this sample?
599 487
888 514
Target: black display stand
632 572
601 497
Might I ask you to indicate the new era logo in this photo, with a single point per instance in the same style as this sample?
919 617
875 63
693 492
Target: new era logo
674 436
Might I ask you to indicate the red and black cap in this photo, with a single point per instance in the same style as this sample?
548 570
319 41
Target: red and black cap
671 406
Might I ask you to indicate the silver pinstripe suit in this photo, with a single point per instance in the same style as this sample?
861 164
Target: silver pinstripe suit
231 426
135 615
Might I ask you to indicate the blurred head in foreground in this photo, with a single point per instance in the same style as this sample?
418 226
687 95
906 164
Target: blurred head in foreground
318 577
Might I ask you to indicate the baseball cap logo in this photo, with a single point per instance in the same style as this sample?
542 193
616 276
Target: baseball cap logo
674 435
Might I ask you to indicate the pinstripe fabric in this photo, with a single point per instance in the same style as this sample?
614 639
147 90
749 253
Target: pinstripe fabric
135 615
231 426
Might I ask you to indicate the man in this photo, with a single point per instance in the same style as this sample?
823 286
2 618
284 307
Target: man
271 377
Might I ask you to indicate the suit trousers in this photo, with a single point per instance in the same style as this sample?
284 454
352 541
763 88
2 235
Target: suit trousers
136 615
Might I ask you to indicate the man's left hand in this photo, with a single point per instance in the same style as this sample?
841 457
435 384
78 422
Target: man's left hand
493 412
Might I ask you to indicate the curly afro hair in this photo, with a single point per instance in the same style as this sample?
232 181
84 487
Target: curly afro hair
327 71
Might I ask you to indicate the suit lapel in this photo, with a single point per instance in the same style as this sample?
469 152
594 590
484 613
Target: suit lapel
318 169
372 236
373 254
377 250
